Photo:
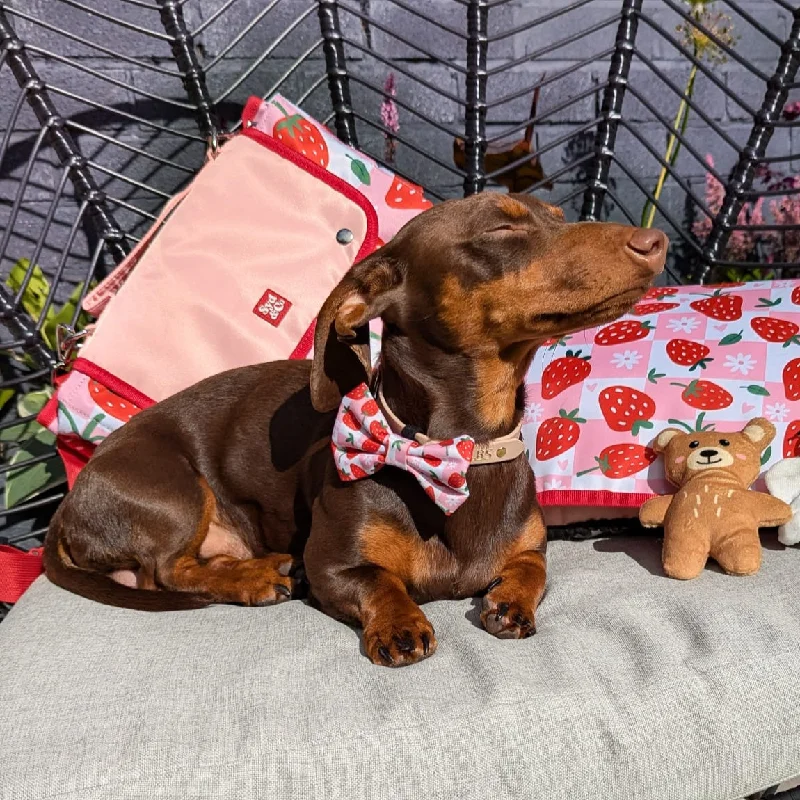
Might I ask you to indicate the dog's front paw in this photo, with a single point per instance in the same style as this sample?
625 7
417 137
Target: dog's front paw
398 641
507 616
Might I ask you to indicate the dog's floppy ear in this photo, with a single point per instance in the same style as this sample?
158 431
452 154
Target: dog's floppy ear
341 340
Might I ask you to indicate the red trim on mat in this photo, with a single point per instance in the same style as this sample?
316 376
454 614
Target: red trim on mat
112 382
306 342
49 412
604 498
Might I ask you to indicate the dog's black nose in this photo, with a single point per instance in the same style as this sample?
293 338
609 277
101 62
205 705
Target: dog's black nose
708 453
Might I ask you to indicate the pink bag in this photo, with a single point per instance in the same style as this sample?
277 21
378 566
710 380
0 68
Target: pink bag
232 273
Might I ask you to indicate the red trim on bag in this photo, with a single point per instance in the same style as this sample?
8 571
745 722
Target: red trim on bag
251 109
597 497
306 343
50 411
18 570
334 181
75 453
113 383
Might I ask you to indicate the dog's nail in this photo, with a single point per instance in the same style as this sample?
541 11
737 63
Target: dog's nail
530 632
426 643
495 583
520 620
281 589
502 610
385 655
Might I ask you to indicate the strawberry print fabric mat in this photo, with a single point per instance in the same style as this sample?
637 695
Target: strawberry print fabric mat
695 357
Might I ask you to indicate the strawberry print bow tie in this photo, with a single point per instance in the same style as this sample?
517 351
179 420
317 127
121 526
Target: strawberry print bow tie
362 444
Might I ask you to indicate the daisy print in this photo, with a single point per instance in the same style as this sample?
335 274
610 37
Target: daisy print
533 412
683 325
741 363
627 360
777 412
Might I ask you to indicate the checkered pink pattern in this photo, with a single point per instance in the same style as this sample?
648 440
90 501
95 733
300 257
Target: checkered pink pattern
689 357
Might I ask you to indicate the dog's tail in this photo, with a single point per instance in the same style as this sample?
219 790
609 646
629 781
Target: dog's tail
95 586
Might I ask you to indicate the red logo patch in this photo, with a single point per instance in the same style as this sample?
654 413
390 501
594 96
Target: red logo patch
272 307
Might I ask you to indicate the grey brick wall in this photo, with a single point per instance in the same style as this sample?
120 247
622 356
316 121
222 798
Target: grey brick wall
123 62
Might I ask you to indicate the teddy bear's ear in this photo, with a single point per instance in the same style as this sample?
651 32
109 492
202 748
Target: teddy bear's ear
664 438
760 432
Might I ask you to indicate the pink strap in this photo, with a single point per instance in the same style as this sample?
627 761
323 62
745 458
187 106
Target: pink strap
98 299
18 570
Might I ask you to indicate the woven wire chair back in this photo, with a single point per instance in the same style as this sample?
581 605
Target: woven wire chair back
107 107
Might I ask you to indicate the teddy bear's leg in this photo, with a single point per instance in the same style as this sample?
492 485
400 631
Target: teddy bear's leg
685 550
738 552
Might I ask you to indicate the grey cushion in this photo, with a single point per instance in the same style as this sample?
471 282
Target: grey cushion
636 686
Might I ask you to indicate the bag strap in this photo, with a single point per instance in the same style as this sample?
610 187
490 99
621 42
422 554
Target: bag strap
98 299
18 570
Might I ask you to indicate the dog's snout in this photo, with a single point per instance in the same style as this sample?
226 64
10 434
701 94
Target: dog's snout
708 453
648 247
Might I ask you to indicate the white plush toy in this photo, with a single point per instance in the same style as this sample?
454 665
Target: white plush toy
783 482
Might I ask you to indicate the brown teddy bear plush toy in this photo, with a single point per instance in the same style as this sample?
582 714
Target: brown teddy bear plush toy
713 513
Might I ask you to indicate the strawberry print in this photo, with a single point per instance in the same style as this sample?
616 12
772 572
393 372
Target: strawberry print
465 449
622 332
719 306
773 329
690 354
791 379
660 292
643 309
362 444
456 480
302 136
558 434
403 194
370 408
791 440
564 372
378 430
112 404
626 409
622 460
705 395
350 420
796 295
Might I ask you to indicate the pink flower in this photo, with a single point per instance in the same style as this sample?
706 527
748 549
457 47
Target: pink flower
791 110
390 117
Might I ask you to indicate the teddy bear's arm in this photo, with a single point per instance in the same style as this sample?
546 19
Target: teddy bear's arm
653 511
769 510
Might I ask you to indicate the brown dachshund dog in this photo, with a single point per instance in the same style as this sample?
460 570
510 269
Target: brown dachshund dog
216 494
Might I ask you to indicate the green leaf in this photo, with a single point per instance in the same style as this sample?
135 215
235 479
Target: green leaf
360 171
28 405
639 425
731 338
36 291
33 402
26 482
5 396
765 302
755 389
766 455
